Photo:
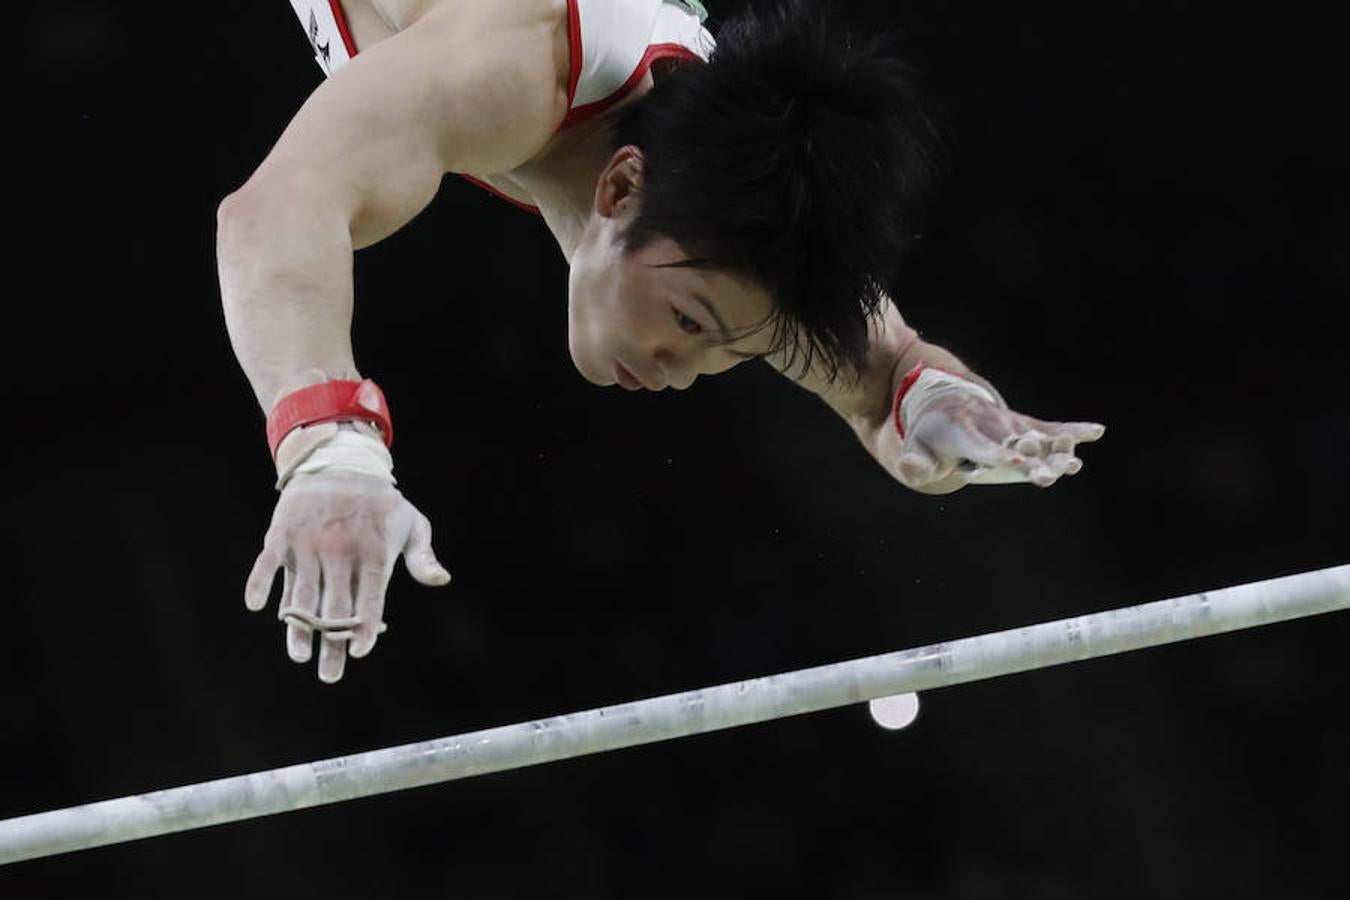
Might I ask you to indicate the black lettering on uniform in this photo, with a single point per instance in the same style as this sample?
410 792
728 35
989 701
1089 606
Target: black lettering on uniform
314 40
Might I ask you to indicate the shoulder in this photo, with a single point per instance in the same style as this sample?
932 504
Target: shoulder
523 34
533 32
498 70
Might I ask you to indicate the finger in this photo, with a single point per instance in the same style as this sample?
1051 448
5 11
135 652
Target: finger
1064 463
420 559
981 450
1082 432
287 587
918 464
335 603
304 598
1043 475
987 454
258 588
1031 444
1061 443
371 584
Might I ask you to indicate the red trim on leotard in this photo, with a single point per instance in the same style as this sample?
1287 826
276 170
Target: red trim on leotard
507 197
576 51
654 53
336 7
590 110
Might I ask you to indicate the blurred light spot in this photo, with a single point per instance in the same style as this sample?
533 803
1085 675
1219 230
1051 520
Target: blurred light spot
894 712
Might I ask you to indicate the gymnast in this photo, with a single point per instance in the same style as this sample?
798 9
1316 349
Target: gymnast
716 201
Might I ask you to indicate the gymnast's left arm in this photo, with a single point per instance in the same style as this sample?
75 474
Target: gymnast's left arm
936 426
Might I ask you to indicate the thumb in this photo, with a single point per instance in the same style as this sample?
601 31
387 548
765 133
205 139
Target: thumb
917 465
420 559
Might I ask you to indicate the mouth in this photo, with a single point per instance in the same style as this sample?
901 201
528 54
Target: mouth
626 379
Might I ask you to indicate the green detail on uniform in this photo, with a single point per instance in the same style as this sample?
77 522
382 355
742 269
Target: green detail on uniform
693 7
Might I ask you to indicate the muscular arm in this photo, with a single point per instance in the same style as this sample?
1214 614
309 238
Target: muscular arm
472 86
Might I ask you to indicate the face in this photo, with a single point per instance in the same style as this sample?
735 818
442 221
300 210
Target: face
641 320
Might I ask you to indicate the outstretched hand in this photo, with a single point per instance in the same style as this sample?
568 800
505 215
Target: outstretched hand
962 438
337 537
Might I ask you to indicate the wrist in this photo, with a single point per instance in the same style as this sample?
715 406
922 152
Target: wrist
924 385
353 447
283 384
329 401
921 352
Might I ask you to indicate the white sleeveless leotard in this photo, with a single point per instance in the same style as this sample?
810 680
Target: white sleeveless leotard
613 45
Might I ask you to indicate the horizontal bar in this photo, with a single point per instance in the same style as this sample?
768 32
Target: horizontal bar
674 715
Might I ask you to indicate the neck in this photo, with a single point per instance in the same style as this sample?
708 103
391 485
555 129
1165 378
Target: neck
562 179
563 182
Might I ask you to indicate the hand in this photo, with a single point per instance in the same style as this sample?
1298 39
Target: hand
337 536
962 439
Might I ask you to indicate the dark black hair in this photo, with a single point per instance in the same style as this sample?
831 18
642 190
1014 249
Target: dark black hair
798 156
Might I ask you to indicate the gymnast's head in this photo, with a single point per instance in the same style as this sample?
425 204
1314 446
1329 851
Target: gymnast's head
755 205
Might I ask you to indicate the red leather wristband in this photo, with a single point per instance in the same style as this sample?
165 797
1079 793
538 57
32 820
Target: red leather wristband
331 401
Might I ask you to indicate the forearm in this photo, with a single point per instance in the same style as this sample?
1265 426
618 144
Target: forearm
285 267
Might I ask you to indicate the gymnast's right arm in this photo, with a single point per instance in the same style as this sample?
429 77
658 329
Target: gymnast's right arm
471 87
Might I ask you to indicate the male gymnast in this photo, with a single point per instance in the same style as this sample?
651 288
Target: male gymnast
716 201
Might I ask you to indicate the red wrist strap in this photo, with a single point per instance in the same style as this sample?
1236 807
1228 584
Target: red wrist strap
905 384
332 401
908 382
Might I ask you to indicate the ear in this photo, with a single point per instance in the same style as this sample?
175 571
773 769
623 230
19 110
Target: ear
619 190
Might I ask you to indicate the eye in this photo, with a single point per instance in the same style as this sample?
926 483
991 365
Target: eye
687 325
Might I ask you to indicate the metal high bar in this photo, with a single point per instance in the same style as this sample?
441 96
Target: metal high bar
674 715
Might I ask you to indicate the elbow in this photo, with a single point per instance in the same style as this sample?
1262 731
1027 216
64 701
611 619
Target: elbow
240 255
236 213
227 207
248 221
226 210
232 216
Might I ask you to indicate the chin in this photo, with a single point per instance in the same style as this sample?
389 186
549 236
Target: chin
598 381
593 374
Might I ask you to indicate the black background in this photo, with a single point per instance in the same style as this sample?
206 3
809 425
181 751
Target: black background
1145 225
